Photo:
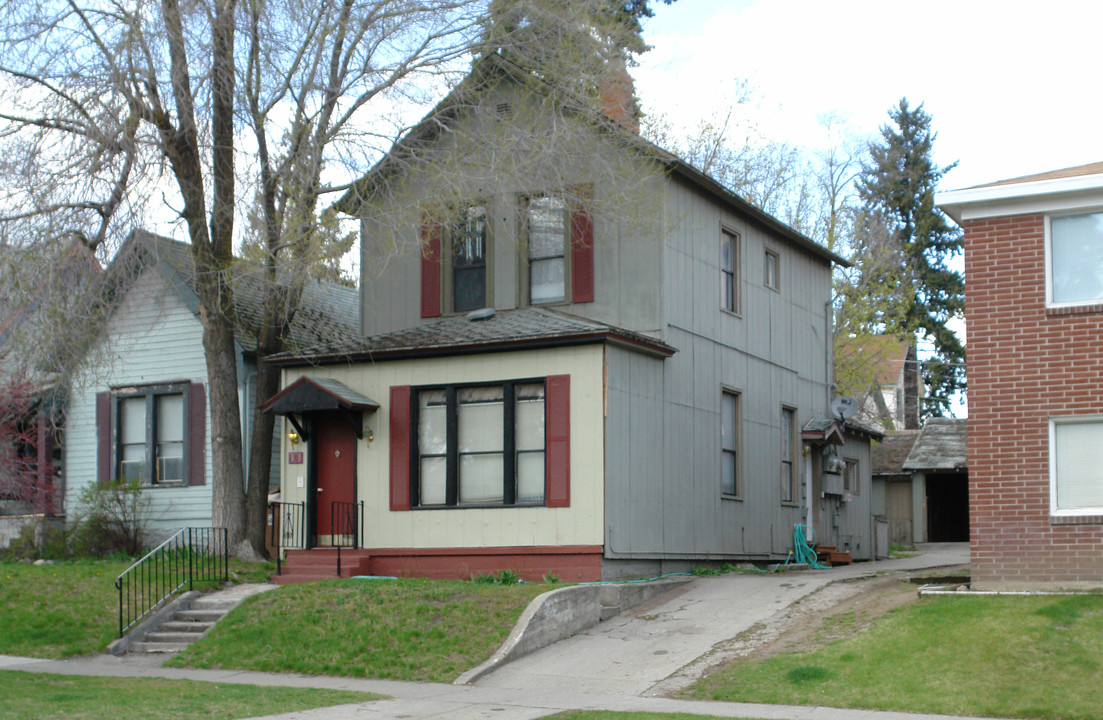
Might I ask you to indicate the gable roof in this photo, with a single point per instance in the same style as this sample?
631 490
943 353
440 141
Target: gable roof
886 355
326 311
942 444
478 332
493 67
888 456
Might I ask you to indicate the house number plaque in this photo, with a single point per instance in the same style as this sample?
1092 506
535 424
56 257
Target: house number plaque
295 458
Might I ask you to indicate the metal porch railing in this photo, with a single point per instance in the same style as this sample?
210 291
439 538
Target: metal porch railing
288 528
191 555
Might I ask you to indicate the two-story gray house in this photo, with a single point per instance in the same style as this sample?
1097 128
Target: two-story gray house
557 375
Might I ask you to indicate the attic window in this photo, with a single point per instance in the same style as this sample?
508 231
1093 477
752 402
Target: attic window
504 111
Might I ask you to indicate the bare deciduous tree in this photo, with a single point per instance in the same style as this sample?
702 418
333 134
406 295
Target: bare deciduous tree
113 114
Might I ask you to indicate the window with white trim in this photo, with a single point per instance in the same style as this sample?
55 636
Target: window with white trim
1074 259
1076 466
480 445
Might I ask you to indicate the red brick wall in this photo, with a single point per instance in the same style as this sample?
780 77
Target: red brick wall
1026 365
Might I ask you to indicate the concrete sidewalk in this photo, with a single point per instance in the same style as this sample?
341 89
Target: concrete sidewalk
618 665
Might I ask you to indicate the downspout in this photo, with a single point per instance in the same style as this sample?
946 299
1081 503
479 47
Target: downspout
808 526
248 400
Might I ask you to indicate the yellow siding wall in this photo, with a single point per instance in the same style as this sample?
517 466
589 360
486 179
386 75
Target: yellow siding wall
579 524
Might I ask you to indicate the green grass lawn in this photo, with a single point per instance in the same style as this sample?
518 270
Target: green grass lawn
65 697
1038 657
408 629
58 611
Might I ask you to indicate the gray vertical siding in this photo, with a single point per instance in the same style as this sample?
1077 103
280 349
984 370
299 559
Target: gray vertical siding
774 352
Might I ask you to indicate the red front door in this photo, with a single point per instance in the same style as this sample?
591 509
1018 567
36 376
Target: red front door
335 474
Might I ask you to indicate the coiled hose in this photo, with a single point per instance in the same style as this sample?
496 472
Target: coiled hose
801 550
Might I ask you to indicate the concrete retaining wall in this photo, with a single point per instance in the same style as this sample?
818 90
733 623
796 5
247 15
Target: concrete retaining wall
558 614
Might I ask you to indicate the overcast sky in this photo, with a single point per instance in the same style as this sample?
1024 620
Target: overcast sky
1013 87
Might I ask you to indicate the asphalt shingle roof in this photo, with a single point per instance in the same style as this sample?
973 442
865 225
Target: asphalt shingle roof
890 453
503 330
327 311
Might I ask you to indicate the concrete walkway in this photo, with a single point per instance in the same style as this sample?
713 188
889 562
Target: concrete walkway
618 665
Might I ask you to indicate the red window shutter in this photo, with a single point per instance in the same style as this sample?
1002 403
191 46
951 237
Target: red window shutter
582 244
400 447
557 440
197 434
103 437
430 266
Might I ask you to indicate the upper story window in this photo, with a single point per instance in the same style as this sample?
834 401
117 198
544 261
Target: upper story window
548 240
788 455
729 271
729 443
469 254
773 270
480 445
1074 251
1076 466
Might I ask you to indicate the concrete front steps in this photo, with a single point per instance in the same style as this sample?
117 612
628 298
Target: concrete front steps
300 566
184 626
184 620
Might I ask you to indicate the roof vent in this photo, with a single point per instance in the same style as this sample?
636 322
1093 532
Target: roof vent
480 314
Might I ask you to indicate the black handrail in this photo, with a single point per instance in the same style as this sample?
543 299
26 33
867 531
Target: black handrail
344 523
288 528
190 555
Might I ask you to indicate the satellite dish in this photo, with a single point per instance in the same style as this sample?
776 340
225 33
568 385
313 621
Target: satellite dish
844 407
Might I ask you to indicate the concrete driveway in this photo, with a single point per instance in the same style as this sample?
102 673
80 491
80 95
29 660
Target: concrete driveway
662 646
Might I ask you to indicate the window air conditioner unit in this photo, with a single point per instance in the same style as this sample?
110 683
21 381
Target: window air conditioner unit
170 469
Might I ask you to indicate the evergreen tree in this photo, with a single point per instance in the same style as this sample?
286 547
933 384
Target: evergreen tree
921 292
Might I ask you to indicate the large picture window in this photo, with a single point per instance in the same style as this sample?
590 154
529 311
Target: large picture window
481 445
1076 466
1075 254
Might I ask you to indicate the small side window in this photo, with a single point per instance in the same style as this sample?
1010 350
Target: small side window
773 270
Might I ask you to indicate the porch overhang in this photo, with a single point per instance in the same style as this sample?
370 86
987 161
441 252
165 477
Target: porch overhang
823 431
316 395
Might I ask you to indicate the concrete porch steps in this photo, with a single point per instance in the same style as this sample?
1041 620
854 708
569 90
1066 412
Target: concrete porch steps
184 626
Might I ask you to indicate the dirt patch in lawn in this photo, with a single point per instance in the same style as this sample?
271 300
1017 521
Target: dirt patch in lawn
835 611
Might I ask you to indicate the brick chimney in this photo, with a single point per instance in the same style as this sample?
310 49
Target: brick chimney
618 101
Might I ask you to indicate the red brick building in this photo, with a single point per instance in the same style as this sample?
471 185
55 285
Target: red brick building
1034 309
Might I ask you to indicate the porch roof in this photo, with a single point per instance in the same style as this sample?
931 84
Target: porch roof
311 394
477 332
